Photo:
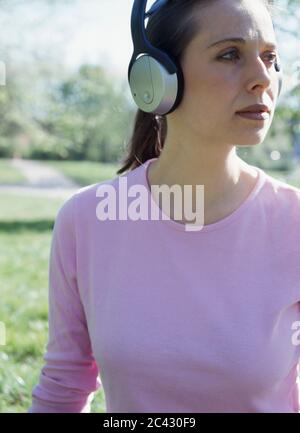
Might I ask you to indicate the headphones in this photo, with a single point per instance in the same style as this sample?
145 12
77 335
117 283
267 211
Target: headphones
155 78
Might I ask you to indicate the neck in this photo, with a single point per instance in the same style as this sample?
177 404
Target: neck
227 179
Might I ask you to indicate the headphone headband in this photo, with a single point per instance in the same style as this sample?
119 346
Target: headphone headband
155 7
140 42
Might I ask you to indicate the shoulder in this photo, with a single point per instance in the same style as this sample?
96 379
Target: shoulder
80 208
280 202
281 192
86 199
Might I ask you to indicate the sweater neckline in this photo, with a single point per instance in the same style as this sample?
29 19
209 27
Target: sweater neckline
237 213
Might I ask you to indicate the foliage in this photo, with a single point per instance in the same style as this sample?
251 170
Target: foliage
87 115
81 115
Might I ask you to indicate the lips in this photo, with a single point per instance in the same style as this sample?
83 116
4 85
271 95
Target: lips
256 108
254 115
255 112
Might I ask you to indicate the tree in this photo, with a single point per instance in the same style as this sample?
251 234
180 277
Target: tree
87 115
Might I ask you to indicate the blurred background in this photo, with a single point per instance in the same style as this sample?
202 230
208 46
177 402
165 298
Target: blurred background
66 118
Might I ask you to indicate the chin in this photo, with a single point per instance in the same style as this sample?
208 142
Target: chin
247 145
252 139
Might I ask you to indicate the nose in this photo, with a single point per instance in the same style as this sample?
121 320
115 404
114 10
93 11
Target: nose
260 75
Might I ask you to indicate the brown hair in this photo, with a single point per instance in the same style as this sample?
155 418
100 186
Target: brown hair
170 29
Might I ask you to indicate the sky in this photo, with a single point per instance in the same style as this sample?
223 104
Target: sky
94 31
103 34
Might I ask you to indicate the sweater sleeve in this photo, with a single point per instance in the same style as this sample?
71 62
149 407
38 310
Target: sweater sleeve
69 377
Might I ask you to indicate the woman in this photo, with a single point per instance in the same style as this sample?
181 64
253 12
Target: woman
175 320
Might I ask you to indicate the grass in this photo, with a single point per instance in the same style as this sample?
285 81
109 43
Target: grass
10 175
85 172
22 209
25 237
23 264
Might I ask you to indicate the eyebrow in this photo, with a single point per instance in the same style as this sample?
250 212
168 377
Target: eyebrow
241 41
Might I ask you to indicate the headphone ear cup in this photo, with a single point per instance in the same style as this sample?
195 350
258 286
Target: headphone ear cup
280 84
153 89
278 69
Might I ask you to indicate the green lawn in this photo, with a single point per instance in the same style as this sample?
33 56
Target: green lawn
25 236
8 174
85 172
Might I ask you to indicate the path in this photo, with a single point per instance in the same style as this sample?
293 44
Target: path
40 180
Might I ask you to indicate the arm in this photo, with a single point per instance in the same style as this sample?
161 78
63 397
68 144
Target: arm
69 377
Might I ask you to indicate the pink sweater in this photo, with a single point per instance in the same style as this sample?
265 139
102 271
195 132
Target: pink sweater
169 320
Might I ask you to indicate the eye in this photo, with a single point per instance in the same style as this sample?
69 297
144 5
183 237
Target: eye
272 56
229 53
233 55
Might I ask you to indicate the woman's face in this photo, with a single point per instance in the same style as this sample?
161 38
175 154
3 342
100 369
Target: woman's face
223 78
